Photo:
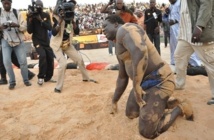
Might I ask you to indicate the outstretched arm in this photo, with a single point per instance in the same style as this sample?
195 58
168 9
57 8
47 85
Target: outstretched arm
122 82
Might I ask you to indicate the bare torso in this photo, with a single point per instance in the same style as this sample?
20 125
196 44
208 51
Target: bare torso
139 39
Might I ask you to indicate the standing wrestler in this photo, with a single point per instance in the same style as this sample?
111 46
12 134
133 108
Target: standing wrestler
61 42
153 81
38 24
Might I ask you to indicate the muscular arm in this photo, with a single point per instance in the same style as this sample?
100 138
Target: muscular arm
122 82
135 45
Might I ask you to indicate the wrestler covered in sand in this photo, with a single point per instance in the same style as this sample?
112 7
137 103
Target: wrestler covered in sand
153 80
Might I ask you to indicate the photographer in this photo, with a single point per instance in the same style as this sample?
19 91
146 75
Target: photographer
120 9
61 42
13 41
38 24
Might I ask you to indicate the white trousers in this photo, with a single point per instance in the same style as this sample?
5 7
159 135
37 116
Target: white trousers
72 53
182 54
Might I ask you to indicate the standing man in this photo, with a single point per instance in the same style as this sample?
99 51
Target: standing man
38 24
13 41
174 18
61 42
152 78
153 18
3 72
119 9
166 27
196 35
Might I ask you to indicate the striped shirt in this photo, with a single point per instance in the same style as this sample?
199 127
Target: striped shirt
185 30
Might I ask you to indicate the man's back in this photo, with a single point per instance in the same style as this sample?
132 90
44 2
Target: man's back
136 37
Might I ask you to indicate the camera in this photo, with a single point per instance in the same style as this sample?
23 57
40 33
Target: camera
8 25
66 11
34 9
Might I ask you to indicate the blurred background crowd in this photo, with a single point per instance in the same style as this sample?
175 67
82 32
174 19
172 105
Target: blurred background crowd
89 17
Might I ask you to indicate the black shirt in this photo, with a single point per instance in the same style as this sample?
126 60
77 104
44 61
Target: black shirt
150 21
39 30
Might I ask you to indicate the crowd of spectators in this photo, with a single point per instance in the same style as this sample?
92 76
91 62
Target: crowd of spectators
90 18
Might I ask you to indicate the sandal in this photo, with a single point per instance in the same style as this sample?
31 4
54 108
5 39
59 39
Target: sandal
90 80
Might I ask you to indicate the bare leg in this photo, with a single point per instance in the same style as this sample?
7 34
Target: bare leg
183 107
132 108
168 119
152 113
153 120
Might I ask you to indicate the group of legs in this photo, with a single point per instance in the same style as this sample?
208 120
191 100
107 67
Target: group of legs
72 53
182 54
3 80
10 56
46 65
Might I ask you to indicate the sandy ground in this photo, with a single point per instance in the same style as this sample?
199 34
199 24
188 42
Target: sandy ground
81 111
